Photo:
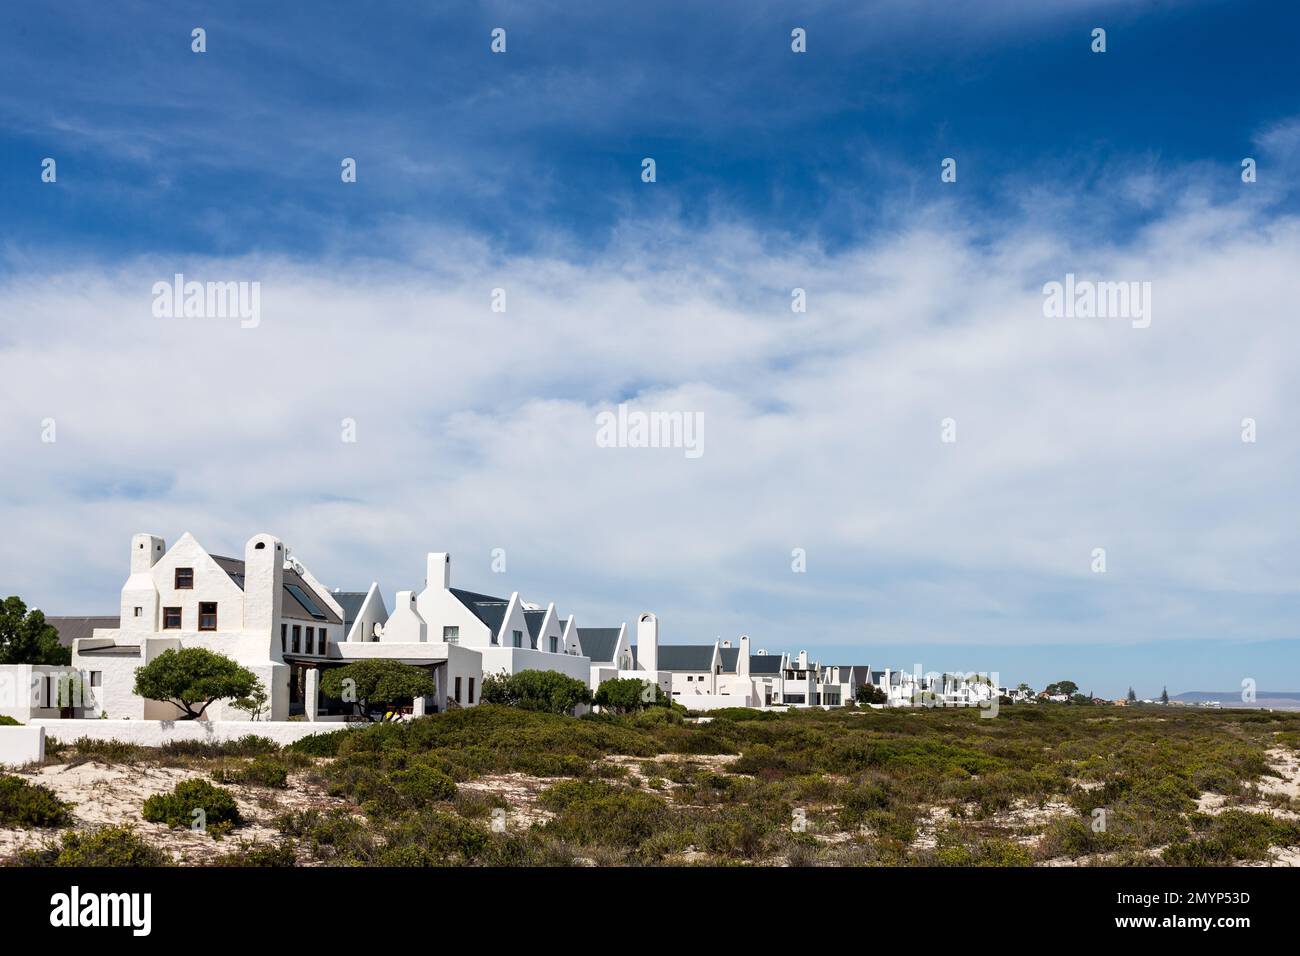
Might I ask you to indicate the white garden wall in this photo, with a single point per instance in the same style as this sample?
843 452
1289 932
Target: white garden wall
21 745
155 733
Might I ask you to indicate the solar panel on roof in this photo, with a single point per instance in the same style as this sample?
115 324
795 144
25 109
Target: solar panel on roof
301 597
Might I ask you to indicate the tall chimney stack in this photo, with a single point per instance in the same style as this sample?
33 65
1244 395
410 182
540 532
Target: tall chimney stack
647 642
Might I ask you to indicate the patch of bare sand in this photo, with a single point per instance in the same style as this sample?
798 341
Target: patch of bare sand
103 794
1275 796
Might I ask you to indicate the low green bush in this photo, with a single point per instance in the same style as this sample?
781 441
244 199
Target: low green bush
179 808
30 804
106 847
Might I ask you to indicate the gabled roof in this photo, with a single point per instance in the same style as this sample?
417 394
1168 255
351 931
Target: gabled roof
297 593
730 658
74 628
856 673
765 663
685 657
534 620
351 602
598 643
490 610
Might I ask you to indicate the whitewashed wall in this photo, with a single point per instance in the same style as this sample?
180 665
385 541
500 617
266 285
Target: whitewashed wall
155 733
21 745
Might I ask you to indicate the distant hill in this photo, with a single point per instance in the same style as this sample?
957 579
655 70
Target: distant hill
1274 699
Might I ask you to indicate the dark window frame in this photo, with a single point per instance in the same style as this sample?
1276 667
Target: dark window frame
203 614
297 639
166 616
187 584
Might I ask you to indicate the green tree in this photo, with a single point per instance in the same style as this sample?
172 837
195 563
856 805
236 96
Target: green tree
1067 687
626 695
548 691
193 676
1132 697
871 694
1164 695
27 638
254 703
368 684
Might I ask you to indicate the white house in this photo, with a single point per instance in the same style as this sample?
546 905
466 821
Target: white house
508 635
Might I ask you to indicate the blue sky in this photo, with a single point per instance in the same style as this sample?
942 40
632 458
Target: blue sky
775 170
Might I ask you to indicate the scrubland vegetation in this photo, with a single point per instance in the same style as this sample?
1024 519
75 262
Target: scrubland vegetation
495 785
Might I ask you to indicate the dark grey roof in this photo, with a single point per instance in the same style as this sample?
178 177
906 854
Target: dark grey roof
490 610
877 677
765 663
534 620
74 628
730 657
855 673
685 657
598 643
291 607
351 602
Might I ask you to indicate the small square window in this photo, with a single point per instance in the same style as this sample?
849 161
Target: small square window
171 619
207 615
184 579
96 678
451 634
137 612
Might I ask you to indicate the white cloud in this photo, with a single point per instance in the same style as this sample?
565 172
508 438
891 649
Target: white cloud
476 430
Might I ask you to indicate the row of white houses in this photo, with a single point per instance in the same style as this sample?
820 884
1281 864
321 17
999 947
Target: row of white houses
269 613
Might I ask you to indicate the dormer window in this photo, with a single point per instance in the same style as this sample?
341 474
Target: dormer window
184 579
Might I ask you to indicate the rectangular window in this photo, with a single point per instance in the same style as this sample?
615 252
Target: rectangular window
207 615
555 644
284 638
470 698
496 639
171 619
451 634
324 639
137 612
311 640
458 690
184 579
518 638
96 678
297 638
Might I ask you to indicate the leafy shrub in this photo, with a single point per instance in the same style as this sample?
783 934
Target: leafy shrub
261 772
30 805
548 691
319 745
249 745
112 751
176 809
258 854
7 721
105 847
627 695
595 812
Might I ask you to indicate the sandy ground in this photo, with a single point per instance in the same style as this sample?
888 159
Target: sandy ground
103 794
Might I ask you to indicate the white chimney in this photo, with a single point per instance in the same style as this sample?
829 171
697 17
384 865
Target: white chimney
726 643
647 642
140 590
438 572
742 663
263 583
